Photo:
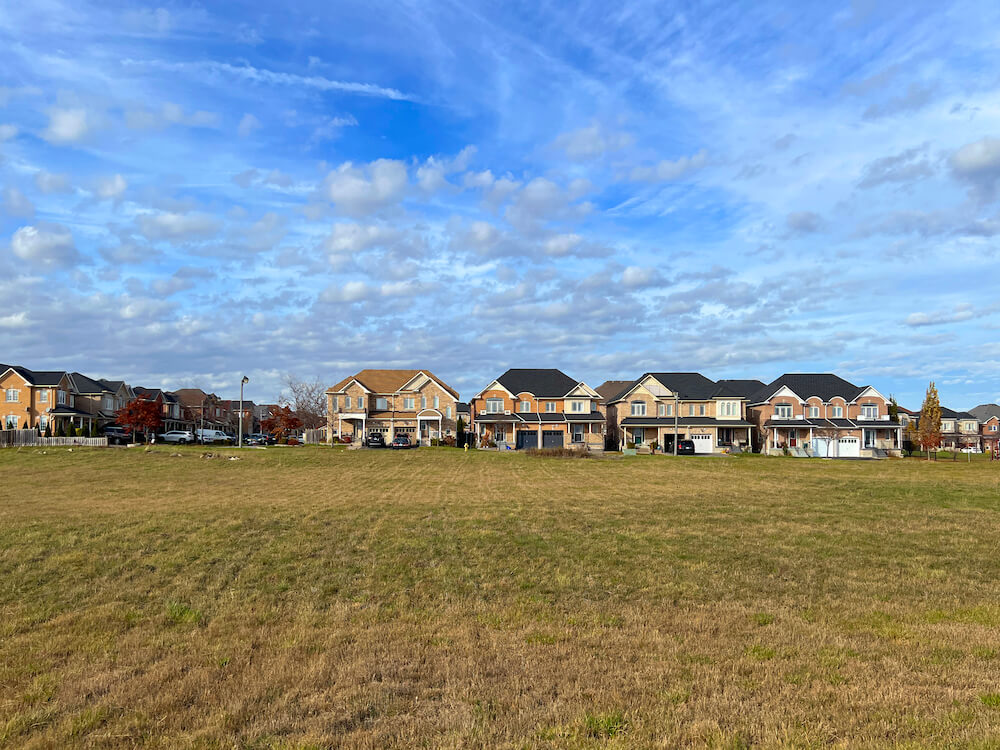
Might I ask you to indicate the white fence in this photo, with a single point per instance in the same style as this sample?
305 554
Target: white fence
18 438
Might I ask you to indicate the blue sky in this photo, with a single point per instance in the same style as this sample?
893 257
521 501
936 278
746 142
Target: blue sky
193 192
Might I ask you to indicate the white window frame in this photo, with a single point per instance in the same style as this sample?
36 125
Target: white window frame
813 412
437 402
61 397
11 419
494 405
576 407
550 407
524 407
381 403
783 411
43 396
447 412
701 410
661 410
336 403
577 430
637 408
838 412
670 410
409 403
16 395
361 402
423 402
869 412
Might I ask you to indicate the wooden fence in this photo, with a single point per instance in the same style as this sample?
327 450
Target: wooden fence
311 437
18 438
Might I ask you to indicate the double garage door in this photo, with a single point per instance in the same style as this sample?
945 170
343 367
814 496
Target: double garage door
550 439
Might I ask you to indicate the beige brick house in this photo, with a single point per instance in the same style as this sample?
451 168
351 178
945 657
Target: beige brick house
415 403
659 405
531 408
821 414
38 399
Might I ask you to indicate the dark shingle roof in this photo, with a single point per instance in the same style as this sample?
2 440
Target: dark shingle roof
985 411
687 385
87 385
543 383
744 388
36 377
609 389
111 385
952 414
826 385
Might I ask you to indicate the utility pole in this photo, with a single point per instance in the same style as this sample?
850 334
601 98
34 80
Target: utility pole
242 383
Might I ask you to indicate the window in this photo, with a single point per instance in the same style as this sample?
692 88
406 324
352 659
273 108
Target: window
360 402
701 410
43 422
638 408
61 397
728 409
10 422
13 394
813 411
423 402
550 407
437 402
637 435
524 407
869 411
43 396
336 403
670 410
993 428
970 426
578 433
447 412
493 405
783 411
109 402
947 427
690 410
838 412
576 406
661 410
409 403
382 403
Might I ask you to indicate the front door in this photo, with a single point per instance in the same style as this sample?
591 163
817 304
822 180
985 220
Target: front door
869 438
792 438
637 435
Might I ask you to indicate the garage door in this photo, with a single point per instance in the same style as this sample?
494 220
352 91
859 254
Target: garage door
821 447
552 439
849 448
527 440
702 443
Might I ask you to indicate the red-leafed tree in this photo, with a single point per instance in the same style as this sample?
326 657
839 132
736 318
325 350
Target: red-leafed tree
140 416
282 421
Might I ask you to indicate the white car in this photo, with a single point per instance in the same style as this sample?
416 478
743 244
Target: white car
178 436
212 436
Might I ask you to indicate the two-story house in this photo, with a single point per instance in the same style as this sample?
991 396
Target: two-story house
661 405
200 409
959 429
122 394
821 414
607 391
415 403
531 408
99 398
171 411
989 425
249 415
38 399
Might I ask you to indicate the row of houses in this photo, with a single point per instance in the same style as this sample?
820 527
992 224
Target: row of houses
804 414
57 400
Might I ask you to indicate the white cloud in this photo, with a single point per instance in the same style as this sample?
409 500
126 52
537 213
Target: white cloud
346 238
331 128
142 118
67 126
542 201
176 226
958 314
592 142
111 188
247 125
47 245
978 164
15 203
804 222
50 183
671 170
363 190
7 132
352 291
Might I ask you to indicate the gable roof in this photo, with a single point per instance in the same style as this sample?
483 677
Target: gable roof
542 383
388 381
36 377
691 386
84 384
984 411
952 414
611 388
826 385
111 385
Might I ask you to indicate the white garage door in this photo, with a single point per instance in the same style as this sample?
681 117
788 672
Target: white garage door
821 448
702 443
849 448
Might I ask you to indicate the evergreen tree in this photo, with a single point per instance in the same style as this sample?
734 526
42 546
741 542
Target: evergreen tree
48 428
893 408
929 429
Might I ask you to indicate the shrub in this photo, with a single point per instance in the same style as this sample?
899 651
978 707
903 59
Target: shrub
435 442
630 445
655 445
48 429
449 440
606 726
556 453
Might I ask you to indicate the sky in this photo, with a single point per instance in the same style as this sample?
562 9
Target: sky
194 192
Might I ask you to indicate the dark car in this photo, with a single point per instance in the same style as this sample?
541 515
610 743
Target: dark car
685 447
376 440
401 441
116 435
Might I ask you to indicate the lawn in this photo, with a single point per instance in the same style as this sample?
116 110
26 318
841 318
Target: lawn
311 597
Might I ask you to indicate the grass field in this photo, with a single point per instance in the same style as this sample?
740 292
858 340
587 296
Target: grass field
371 599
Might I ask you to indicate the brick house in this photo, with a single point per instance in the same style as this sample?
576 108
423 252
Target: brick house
659 405
989 425
530 408
415 403
959 429
38 399
171 408
821 414
203 410
607 391
99 398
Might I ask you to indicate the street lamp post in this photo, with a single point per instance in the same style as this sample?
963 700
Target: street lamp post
676 418
242 383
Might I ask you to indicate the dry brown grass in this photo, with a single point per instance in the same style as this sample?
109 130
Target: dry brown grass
436 598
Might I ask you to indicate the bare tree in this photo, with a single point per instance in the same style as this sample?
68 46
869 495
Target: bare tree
307 398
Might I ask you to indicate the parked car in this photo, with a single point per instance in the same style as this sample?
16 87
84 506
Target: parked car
376 440
116 435
259 438
401 441
178 436
212 436
685 448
